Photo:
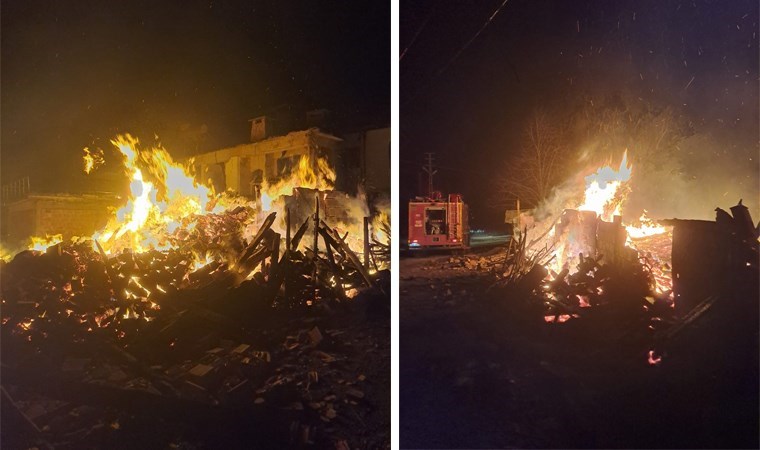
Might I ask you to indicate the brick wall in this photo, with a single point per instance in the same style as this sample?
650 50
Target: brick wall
69 215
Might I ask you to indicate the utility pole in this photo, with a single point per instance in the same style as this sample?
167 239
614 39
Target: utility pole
429 169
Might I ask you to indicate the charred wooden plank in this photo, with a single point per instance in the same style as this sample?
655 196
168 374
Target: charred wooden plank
299 234
350 254
692 315
366 242
257 257
277 277
251 248
287 228
316 224
275 253
330 261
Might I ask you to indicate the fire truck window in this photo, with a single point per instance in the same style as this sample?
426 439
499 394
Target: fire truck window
435 221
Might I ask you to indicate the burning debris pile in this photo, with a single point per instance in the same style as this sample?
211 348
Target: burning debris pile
572 255
212 301
584 263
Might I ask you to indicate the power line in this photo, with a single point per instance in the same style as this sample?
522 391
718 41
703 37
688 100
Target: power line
414 38
456 55
467 44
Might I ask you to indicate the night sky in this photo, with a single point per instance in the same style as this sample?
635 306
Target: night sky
76 73
698 58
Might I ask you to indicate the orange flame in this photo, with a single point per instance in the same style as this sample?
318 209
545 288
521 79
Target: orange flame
305 175
41 244
165 202
646 227
602 187
92 159
605 196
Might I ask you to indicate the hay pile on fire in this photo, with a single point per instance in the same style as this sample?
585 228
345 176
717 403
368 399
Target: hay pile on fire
188 295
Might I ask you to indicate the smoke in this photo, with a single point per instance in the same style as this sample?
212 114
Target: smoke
681 167
712 172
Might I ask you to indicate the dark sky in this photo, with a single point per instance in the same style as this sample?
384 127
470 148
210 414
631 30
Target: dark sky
471 111
77 72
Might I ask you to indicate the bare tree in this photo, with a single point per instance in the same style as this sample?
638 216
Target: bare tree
652 134
587 132
537 167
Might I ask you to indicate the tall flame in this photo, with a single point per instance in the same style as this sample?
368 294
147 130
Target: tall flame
602 190
165 204
153 211
605 194
304 175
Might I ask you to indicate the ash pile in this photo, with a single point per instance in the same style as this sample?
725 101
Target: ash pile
270 345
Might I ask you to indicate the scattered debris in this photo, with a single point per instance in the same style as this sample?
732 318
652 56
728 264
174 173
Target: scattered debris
153 331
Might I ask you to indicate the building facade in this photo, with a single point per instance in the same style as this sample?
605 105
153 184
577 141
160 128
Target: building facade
244 167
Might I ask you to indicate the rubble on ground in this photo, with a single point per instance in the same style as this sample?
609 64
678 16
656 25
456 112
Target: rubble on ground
92 342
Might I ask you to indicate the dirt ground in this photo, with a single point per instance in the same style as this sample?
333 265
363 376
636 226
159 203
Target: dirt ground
474 374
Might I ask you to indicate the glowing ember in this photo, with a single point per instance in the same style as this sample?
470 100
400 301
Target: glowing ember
653 360
560 319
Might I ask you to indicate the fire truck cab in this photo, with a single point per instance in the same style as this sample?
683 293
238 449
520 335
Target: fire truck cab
438 223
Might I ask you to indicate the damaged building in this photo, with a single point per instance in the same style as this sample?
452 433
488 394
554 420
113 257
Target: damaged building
278 141
243 168
26 214
359 158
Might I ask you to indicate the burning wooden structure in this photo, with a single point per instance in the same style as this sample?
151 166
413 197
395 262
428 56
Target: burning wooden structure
198 305
710 258
660 275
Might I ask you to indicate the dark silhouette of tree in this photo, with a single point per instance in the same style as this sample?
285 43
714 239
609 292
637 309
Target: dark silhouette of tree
537 167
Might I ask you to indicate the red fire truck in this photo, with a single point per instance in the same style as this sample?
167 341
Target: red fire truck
435 222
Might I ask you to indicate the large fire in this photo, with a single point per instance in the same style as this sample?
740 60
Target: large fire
166 204
304 175
154 212
605 194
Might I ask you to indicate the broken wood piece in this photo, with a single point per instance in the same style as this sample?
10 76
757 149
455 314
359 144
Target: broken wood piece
275 253
299 234
351 256
287 229
316 224
258 238
315 336
249 264
366 243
